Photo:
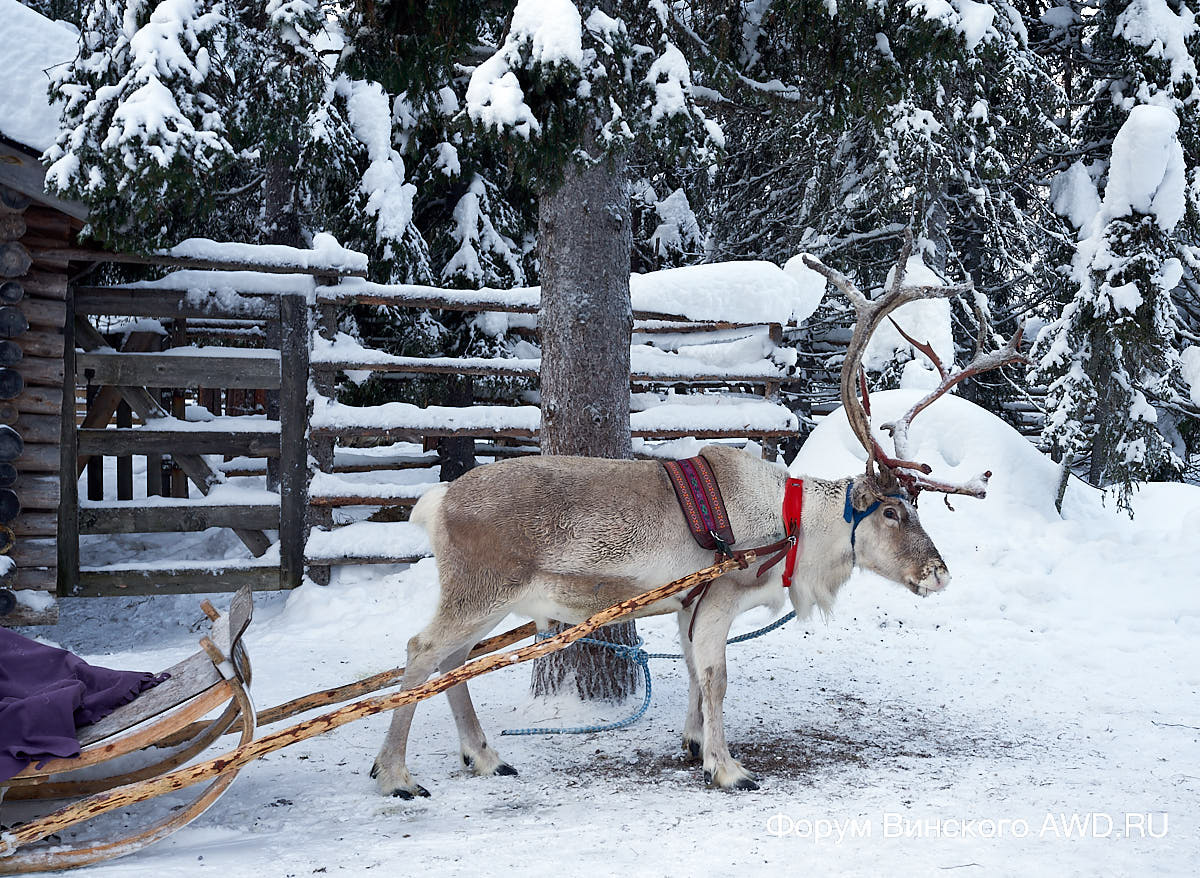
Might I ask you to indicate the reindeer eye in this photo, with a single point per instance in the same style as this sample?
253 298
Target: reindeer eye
889 512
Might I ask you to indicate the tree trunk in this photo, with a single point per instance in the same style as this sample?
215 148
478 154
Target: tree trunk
584 242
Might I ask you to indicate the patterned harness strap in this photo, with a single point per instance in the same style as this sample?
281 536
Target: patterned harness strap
699 497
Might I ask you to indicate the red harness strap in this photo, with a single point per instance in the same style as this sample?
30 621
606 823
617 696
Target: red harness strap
788 547
793 507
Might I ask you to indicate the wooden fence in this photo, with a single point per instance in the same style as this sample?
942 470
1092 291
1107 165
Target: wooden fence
205 374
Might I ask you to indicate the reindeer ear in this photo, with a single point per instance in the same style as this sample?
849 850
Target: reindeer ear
863 492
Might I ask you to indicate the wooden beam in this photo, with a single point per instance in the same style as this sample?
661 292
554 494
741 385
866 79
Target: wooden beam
191 517
23 615
179 580
23 171
117 301
35 553
166 370
332 501
416 434
498 367
78 254
36 524
367 559
44 312
178 443
67 526
14 259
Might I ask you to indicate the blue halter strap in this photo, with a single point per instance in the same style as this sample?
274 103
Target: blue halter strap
854 517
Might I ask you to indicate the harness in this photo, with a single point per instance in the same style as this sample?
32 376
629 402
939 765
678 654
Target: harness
703 508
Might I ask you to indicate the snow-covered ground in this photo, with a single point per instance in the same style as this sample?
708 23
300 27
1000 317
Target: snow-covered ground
1038 718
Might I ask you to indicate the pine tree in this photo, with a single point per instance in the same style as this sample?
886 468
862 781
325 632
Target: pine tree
1111 354
851 123
197 117
1113 358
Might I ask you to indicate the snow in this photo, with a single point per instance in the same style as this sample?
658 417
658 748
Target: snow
35 600
736 292
1055 679
543 32
926 320
369 539
31 46
739 358
1190 359
1164 34
972 20
227 284
552 30
394 484
326 253
234 493
210 424
683 414
1073 194
388 198
1147 171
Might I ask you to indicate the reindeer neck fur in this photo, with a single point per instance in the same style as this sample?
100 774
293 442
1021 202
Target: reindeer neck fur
826 560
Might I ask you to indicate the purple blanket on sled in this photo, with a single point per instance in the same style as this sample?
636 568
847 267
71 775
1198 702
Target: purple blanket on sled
46 693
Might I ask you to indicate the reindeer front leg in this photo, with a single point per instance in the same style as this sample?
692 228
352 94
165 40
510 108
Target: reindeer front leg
708 655
693 725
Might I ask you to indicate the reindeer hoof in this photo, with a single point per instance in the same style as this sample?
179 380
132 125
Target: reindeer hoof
691 747
745 784
374 770
487 763
406 795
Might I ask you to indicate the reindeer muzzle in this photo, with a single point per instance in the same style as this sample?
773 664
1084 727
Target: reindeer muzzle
936 578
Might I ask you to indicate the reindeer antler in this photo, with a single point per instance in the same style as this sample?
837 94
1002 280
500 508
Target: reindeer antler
869 314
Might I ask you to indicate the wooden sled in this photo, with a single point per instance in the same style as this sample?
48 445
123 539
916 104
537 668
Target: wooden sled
221 674
164 725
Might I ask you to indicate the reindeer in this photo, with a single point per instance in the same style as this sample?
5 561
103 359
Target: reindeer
560 538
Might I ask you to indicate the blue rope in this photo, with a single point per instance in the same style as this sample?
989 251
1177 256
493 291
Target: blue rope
637 654
633 653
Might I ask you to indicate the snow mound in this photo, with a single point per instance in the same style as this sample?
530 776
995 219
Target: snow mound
31 46
1015 559
926 320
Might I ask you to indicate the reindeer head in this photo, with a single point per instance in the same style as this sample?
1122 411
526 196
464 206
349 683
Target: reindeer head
881 504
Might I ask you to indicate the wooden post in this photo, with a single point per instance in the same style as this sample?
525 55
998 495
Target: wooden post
322 447
125 462
95 466
179 479
68 498
293 438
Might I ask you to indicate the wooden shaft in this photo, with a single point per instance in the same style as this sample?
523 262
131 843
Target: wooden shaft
379 681
123 797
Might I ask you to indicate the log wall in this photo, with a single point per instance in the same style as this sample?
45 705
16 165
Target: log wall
33 309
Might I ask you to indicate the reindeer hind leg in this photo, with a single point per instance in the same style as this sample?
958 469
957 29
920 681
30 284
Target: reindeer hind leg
477 755
447 634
